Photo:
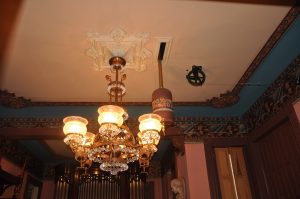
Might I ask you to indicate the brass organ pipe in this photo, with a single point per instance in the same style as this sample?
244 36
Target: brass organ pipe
66 190
118 195
135 189
130 189
79 191
104 190
139 189
110 191
61 187
92 189
82 189
143 192
63 190
87 195
113 190
59 191
85 190
101 187
107 188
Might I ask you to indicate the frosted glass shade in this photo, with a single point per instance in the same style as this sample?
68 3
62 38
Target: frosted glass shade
148 137
111 114
75 125
150 122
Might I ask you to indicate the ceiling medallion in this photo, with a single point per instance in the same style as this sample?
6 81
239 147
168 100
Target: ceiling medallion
114 146
118 43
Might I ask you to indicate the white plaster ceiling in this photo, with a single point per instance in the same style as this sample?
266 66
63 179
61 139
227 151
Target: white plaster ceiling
46 58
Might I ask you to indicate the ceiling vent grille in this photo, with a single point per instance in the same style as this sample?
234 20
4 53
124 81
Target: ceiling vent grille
163 47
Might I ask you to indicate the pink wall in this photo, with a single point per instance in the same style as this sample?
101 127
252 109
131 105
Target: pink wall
198 186
182 171
157 187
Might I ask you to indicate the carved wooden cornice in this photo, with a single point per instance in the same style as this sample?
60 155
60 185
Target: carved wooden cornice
194 129
12 101
286 88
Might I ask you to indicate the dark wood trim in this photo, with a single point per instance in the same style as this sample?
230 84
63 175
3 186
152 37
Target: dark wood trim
286 113
256 167
32 133
214 187
212 172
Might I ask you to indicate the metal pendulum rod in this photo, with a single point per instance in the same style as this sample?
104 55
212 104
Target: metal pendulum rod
160 76
160 57
117 86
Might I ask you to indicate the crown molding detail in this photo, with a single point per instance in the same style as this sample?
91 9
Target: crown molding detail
284 89
118 43
194 129
12 101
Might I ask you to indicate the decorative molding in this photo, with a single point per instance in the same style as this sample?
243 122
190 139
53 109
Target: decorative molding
12 101
31 122
195 129
118 43
264 52
198 129
225 100
284 89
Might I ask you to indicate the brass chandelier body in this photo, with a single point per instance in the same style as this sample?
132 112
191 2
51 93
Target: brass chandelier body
114 146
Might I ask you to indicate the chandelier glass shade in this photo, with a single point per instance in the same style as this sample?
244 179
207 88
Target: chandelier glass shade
114 146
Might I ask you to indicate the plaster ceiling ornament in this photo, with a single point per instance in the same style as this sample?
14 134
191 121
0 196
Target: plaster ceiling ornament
119 43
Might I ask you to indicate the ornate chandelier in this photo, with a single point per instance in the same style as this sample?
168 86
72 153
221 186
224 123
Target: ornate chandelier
114 146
